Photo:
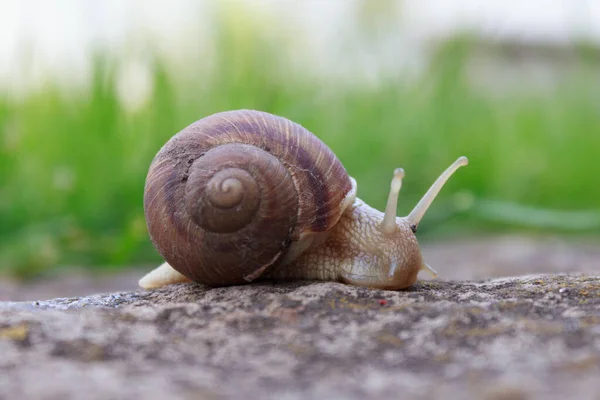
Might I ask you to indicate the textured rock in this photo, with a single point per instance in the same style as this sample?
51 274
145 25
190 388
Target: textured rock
535 336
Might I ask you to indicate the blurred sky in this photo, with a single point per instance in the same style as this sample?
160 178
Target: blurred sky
58 35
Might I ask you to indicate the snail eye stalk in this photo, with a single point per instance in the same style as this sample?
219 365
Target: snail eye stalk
420 209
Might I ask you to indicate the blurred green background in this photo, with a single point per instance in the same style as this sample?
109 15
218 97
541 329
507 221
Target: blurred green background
73 158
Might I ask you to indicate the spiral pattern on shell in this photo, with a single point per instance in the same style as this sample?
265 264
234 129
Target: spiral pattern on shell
226 196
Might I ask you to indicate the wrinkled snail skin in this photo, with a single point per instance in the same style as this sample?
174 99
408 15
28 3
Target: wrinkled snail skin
242 196
356 252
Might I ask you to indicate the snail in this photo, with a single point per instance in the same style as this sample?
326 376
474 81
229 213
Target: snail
245 195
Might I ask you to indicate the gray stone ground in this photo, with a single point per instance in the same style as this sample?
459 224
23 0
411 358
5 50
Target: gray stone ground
528 336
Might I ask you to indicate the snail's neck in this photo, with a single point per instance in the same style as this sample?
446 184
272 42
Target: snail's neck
326 255
360 213
359 232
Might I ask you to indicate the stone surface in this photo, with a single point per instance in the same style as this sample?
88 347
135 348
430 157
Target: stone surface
534 336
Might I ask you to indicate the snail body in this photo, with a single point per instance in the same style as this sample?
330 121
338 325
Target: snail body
245 195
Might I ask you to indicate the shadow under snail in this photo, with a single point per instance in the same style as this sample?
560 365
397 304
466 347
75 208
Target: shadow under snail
244 195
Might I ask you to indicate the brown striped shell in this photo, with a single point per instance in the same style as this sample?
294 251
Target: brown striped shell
227 196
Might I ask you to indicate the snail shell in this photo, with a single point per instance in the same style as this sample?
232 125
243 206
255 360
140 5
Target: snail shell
227 196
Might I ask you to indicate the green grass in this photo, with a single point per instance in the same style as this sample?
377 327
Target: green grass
73 164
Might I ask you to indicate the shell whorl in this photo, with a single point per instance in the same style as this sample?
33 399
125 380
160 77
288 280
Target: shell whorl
227 195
